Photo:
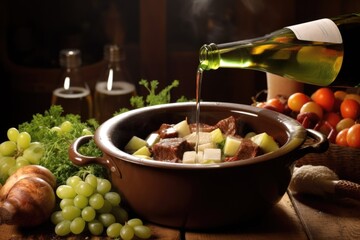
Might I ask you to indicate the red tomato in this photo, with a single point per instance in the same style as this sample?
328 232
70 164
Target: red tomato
350 108
341 137
277 104
297 100
353 136
339 94
339 97
332 118
324 97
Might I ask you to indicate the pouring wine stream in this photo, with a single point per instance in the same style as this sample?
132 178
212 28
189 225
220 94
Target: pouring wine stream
199 75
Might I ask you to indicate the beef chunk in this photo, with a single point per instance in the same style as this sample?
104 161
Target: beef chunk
247 149
171 149
167 131
228 126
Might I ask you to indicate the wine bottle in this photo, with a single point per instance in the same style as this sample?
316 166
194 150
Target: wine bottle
322 52
73 92
115 87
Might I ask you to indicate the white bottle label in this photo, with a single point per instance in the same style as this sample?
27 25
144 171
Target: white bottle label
322 30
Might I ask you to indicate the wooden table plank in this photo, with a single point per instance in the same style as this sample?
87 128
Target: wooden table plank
328 218
46 232
280 223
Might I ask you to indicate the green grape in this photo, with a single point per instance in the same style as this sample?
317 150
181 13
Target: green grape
21 161
113 230
127 232
34 152
103 186
73 181
56 129
63 228
71 212
66 126
13 134
7 163
56 217
12 170
135 222
84 188
120 214
86 132
96 201
65 191
8 148
88 213
77 225
95 227
113 197
66 202
142 231
81 201
92 180
106 208
23 140
106 219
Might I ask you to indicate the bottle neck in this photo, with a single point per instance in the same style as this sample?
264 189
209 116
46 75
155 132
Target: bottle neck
71 77
209 57
210 54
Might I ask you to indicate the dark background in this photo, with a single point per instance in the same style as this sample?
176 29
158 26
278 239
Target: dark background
161 40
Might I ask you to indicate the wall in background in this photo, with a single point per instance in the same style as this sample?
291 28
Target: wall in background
161 41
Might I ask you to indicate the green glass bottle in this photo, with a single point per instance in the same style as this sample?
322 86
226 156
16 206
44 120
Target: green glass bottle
322 52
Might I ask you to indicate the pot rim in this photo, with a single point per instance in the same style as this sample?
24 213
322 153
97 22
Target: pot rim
296 135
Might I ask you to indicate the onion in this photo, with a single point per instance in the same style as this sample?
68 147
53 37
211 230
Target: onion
27 198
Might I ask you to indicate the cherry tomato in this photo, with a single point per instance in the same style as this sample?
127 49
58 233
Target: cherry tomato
341 137
340 95
332 118
297 100
324 97
312 107
354 96
260 104
350 108
344 123
277 104
353 136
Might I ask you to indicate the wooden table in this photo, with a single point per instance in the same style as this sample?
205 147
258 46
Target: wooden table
294 217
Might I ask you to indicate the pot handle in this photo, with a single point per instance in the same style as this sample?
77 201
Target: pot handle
82 160
316 142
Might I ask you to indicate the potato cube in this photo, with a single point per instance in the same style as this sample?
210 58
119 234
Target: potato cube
182 128
192 157
212 155
143 151
266 142
134 144
216 136
152 139
231 146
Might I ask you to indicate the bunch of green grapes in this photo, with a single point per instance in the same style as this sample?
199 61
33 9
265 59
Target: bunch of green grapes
91 205
18 151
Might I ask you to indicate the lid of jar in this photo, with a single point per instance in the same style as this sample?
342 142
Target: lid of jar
70 58
113 53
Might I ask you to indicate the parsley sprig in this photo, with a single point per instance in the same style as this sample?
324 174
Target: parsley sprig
56 146
153 97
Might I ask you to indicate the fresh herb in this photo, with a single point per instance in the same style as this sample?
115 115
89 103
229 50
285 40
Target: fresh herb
153 98
56 145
